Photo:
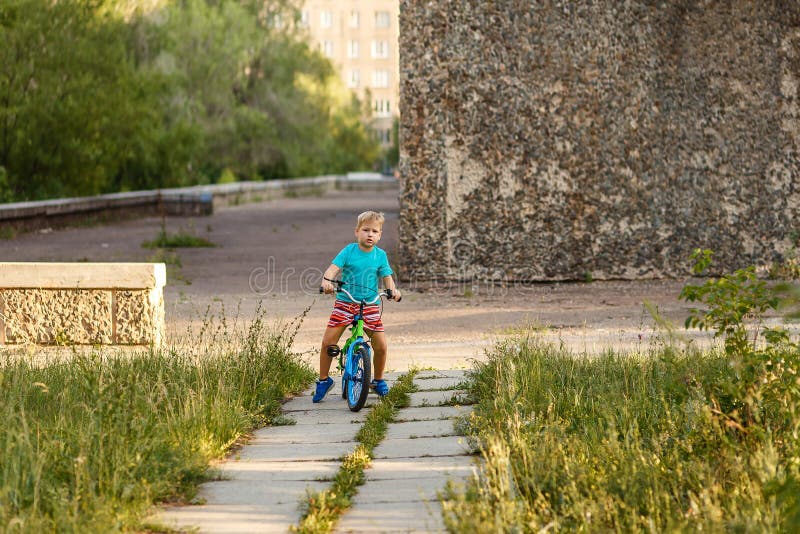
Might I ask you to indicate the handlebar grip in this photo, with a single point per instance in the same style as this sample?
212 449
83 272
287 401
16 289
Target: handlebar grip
321 290
390 294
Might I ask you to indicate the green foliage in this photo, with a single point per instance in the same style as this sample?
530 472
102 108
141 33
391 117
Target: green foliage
72 101
765 372
5 188
91 442
227 177
111 95
730 299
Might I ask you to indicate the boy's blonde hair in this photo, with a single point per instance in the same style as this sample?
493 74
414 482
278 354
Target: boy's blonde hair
369 216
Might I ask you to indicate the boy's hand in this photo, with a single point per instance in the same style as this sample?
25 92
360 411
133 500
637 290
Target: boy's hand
396 296
327 287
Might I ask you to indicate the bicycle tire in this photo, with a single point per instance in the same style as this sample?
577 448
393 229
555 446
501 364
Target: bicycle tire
361 373
344 387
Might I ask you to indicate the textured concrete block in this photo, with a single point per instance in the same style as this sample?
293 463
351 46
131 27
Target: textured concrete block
82 303
50 316
562 140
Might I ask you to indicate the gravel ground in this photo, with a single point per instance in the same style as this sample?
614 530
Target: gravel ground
272 253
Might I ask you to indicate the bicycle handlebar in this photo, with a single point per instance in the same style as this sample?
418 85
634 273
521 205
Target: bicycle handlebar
388 292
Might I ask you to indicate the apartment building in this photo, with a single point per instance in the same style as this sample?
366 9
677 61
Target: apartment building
361 38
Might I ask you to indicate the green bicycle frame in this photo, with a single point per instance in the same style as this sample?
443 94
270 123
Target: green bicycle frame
356 333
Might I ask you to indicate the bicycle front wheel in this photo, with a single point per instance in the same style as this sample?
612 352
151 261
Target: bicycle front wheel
360 375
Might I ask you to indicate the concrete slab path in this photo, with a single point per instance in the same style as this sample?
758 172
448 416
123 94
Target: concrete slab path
412 465
264 482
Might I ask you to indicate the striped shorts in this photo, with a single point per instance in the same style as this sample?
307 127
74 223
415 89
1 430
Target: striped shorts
343 313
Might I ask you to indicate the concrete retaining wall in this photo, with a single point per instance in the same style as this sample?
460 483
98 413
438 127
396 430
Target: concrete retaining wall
605 138
82 303
188 201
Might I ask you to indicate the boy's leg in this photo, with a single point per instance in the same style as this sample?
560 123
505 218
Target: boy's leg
331 337
379 348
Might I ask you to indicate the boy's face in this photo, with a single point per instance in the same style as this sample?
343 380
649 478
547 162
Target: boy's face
368 234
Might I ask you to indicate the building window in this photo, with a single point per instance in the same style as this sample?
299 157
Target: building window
380 49
354 80
354 19
382 19
325 19
327 48
380 78
384 137
304 17
382 107
352 49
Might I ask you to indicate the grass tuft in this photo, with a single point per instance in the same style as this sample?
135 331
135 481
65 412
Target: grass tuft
180 239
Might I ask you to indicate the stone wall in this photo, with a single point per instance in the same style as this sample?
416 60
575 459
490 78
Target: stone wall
82 303
552 140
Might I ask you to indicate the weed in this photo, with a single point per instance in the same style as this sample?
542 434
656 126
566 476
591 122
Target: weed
459 399
527 325
168 257
181 239
173 262
8 232
731 299
282 420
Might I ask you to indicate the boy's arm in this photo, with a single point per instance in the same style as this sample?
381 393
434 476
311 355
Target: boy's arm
331 273
388 283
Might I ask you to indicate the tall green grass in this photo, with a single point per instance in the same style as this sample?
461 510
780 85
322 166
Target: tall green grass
624 443
88 444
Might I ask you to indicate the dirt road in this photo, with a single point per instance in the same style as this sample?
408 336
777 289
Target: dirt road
274 252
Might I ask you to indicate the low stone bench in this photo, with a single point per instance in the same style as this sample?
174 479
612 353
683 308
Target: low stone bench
82 303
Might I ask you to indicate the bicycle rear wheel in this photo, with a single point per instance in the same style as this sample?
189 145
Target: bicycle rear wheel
360 374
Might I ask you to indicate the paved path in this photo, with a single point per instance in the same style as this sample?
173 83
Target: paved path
263 483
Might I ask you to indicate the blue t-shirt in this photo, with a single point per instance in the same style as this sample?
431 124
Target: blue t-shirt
361 271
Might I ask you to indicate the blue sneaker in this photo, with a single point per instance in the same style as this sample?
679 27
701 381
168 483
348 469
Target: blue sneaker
323 387
380 387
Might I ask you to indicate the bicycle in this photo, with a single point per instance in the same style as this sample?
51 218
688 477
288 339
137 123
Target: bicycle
356 367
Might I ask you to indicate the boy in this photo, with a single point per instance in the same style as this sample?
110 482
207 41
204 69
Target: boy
362 264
